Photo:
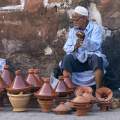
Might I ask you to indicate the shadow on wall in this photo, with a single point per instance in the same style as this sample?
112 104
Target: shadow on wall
111 47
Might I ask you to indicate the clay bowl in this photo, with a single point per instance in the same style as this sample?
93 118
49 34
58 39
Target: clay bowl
82 90
19 102
104 94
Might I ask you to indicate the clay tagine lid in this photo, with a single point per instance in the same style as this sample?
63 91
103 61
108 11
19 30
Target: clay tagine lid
6 75
82 90
46 92
36 74
80 100
19 85
68 82
32 80
104 94
61 109
2 85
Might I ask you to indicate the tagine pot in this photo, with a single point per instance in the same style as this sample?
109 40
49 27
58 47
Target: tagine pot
61 109
19 85
82 105
104 98
6 75
33 81
45 96
19 102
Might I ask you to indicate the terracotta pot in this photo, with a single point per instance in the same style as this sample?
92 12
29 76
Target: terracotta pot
7 76
104 94
105 106
32 80
61 88
36 74
61 109
19 102
19 85
115 103
68 105
82 90
45 105
46 92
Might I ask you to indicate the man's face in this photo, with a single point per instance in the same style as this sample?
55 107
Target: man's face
79 21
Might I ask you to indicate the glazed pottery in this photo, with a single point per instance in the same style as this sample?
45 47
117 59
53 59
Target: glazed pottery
19 85
61 109
19 102
32 80
6 75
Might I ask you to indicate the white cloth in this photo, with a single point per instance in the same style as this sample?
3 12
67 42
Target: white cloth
81 10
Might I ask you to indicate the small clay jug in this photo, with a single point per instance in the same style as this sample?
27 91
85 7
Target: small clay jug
32 80
61 88
46 92
6 75
36 74
19 85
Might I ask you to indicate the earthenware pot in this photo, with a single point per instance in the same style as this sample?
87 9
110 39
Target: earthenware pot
19 85
104 98
19 102
45 105
7 76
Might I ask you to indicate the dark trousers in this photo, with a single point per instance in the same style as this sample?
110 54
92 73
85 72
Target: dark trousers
71 64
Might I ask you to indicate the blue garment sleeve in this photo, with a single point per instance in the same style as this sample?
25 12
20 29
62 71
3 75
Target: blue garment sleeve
95 41
70 43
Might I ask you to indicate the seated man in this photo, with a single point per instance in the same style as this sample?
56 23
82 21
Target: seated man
85 58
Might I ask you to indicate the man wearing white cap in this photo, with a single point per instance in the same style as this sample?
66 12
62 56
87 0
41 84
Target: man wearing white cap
84 63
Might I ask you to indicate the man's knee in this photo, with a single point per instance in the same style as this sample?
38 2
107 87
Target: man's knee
96 62
68 58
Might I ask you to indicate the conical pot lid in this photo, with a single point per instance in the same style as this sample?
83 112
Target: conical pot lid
46 89
32 80
19 83
2 84
6 75
68 82
61 108
61 86
36 74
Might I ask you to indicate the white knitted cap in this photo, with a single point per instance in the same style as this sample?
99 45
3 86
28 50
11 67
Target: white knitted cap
81 10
